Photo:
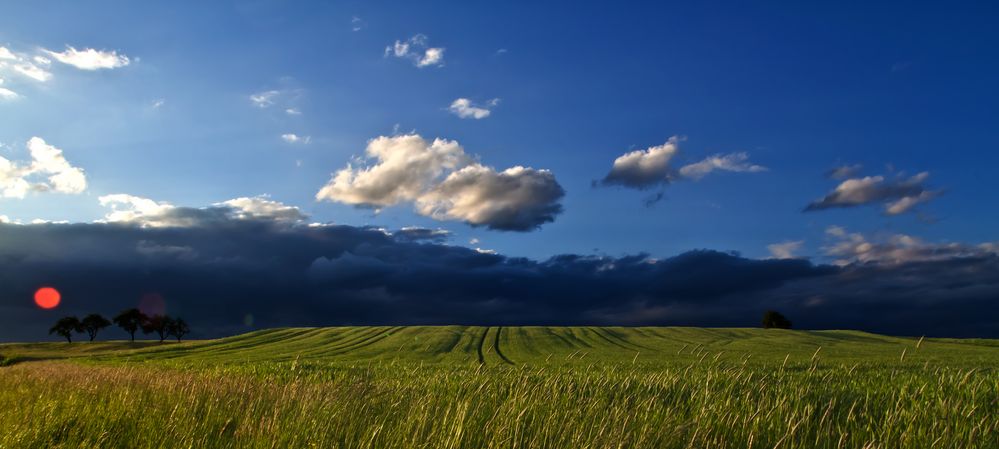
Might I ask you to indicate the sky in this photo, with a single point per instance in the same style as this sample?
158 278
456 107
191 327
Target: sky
809 145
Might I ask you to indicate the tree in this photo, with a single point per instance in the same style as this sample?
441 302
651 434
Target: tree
774 320
158 324
130 320
178 328
66 327
93 324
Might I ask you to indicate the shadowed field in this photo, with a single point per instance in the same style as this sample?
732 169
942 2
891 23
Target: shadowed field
458 386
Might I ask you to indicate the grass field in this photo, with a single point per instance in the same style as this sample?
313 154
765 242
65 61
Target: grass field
510 387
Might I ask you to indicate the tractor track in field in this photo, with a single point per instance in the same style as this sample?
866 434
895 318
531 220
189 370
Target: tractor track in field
608 340
482 342
341 341
611 337
366 341
497 348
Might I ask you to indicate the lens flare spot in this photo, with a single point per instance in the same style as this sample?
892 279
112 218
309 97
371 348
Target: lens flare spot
47 297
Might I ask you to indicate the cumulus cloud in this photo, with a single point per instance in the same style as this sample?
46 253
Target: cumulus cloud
898 195
144 212
48 171
785 250
295 138
853 247
515 199
642 169
417 50
291 274
89 58
645 169
464 108
445 183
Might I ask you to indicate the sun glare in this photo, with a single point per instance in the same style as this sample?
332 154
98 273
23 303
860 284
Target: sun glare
47 297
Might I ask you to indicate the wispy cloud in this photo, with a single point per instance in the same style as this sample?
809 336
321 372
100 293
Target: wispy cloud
785 250
418 51
464 108
296 139
644 169
356 24
897 195
89 58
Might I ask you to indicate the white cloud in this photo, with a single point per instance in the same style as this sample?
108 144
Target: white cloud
145 212
897 196
734 162
431 56
785 250
7 94
416 50
845 171
264 99
406 167
292 111
356 24
64 178
47 163
464 108
6 54
261 207
133 209
89 58
644 168
32 71
848 248
515 199
445 183
296 139
158 103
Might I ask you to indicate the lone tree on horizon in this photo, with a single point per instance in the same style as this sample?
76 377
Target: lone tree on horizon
130 320
774 320
158 324
66 327
178 328
93 324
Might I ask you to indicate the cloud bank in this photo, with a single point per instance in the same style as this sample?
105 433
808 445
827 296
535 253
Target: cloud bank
254 257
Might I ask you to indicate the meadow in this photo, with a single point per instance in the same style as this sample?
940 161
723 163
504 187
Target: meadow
509 387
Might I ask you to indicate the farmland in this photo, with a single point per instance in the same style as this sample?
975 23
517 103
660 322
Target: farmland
474 387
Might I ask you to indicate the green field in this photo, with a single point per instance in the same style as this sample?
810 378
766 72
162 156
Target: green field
505 387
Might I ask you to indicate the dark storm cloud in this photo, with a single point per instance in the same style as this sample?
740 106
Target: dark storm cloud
221 275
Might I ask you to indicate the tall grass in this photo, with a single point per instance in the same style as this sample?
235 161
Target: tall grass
696 404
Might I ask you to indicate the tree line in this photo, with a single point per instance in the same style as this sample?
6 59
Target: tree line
130 320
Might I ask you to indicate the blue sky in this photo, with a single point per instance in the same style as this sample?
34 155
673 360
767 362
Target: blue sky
901 89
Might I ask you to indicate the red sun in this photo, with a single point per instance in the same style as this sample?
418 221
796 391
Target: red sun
47 297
